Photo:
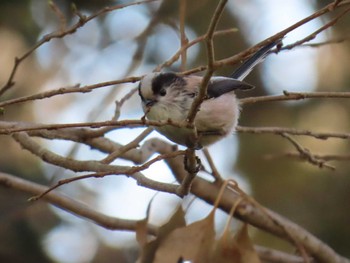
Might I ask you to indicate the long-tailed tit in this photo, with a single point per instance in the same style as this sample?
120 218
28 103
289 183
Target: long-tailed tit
170 96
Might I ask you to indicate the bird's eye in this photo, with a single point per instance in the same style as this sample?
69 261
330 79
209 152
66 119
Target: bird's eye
162 92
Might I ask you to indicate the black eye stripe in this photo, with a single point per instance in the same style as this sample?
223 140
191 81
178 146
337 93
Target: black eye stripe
165 80
140 94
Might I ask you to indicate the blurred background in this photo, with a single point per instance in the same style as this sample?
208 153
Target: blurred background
113 46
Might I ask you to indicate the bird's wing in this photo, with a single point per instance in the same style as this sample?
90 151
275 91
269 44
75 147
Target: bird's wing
221 85
254 60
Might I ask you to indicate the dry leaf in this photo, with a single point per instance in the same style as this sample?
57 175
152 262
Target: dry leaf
148 251
246 247
193 242
226 250
235 249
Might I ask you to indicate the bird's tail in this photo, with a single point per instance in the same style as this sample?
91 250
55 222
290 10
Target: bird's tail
243 71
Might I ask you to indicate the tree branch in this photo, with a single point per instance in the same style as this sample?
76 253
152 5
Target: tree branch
94 166
296 96
60 34
70 205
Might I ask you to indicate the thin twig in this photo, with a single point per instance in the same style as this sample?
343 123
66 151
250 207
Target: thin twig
322 157
129 172
214 171
275 256
210 61
293 131
184 39
62 19
192 165
295 96
94 166
318 31
65 90
306 154
248 52
177 55
70 205
131 145
60 34
122 123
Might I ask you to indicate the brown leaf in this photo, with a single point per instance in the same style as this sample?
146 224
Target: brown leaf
226 250
235 249
193 242
246 247
176 220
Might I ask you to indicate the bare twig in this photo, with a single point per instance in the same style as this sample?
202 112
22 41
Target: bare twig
248 52
131 145
210 61
337 40
94 166
336 3
129 172
296 96
292 131
193 163
70 205
103 144
122 123
118 106
314 34
60 15
60 34
321 157
214 171
184 39
65 90
177 55
306 154
275 256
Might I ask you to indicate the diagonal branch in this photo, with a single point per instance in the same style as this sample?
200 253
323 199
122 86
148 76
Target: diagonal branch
296 96
191 156
66 90
210 61
70 205
293 131
94 166
306 154
60 34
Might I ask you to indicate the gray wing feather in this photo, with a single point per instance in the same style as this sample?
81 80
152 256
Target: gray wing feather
221 85
254 60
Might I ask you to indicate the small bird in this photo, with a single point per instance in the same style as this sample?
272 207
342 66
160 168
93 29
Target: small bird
169 96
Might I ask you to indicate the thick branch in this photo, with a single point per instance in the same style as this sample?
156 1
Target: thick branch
93 166
70 205
267 220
